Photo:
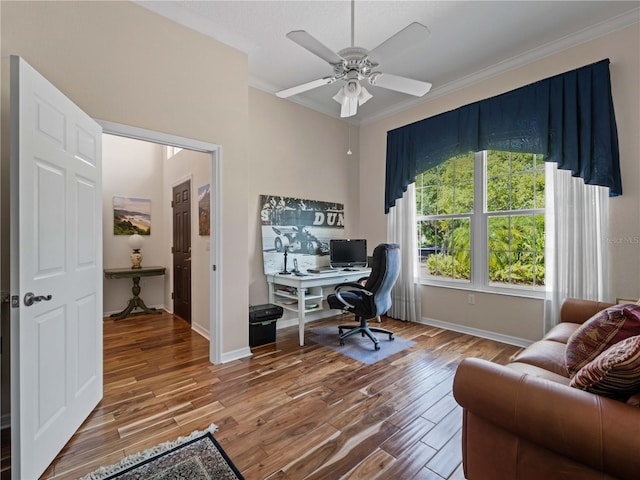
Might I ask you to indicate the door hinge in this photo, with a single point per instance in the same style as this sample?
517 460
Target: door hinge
171 203
172 250
215 268
171 295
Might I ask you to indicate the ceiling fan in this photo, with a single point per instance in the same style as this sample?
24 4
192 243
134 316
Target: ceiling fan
354 64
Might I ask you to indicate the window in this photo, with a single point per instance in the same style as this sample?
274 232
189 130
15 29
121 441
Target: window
481 220
171 151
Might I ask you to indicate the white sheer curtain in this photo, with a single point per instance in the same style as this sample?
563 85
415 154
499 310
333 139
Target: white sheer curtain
576 236
402 229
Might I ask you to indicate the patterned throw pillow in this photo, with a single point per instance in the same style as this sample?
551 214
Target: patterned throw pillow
604 329
614 373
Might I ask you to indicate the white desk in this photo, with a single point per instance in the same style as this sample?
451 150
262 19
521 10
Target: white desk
308 294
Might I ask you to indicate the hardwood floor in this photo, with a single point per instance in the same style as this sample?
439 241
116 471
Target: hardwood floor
287 412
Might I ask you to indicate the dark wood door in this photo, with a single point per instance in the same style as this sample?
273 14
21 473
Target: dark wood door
182 250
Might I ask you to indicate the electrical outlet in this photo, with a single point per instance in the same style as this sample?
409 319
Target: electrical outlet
471 300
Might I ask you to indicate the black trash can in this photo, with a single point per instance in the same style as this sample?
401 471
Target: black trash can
262 323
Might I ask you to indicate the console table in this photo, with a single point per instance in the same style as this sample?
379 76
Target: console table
305 294
134 275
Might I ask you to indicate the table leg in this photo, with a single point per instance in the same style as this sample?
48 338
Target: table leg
301 312
134 302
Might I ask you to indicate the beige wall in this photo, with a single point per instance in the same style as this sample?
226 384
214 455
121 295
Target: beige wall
296 152
132 168
494 313
124 64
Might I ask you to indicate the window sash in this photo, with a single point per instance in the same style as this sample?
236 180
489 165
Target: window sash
479 238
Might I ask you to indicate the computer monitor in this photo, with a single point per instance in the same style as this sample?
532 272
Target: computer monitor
348 253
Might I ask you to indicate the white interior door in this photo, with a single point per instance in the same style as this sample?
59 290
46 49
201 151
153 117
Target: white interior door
56 269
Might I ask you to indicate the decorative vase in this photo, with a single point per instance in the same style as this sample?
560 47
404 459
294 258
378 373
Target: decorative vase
136 259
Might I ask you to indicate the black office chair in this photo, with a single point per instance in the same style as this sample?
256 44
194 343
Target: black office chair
374 298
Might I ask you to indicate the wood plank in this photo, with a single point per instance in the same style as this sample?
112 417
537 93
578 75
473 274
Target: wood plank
287 412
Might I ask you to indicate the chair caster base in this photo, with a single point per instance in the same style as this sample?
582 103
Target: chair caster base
365 330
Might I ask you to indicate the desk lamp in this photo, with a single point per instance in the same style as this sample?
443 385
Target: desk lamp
284 270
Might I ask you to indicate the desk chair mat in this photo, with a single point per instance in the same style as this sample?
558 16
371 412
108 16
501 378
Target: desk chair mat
357 347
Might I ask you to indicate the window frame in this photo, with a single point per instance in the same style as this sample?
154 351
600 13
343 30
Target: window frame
478 224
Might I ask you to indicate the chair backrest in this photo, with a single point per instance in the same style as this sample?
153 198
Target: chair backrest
385 268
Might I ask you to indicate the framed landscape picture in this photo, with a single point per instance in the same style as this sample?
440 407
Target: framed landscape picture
204 210
131 215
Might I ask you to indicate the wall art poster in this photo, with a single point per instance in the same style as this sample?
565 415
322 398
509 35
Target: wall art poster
204 209
131 215
301 228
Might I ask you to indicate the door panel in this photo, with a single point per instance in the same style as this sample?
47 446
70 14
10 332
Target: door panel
182 250
56 254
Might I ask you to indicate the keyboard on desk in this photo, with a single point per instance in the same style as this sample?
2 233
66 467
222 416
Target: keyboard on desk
321 270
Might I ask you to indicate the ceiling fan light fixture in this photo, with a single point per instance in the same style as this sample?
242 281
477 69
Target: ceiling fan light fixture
364 96
352 89
350 96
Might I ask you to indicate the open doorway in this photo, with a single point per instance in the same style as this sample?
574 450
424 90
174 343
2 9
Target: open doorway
183 161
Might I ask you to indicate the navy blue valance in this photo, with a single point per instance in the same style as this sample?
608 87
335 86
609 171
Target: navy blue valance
569 118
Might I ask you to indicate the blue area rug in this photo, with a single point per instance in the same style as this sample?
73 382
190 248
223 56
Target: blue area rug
358 347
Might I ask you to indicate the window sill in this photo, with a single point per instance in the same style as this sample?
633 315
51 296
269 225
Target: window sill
467 287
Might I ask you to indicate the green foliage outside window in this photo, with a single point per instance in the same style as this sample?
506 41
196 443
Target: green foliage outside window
452 256
446 188
516 249
514 185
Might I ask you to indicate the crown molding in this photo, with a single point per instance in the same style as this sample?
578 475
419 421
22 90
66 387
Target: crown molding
586 35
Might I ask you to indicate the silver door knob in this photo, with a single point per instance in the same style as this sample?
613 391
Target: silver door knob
30 298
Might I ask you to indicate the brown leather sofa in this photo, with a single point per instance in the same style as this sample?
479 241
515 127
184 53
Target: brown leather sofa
523 421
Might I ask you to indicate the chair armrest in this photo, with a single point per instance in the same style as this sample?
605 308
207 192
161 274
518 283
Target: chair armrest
577 310
593 430
351 287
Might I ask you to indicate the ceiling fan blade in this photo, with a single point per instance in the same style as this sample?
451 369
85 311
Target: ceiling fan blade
410 36
308 42
289 92
410 86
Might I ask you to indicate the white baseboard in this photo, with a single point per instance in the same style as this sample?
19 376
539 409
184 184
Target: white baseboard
200 331
476 332
236 355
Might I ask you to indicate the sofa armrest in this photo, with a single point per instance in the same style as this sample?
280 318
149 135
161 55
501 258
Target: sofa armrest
596 431
578 310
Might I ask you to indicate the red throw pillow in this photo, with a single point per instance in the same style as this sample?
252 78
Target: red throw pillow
614 373
604 329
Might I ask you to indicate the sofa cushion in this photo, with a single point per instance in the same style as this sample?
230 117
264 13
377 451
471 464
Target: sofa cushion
562 332
604 329
538 372
614 373
545 354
